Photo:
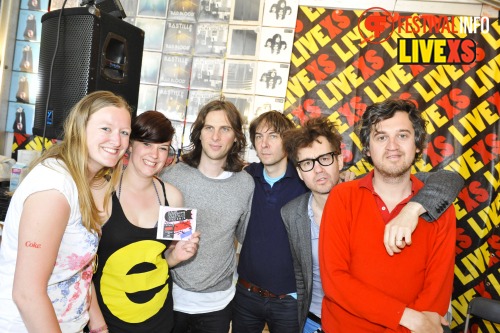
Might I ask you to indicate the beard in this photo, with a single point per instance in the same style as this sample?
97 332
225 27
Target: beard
388 171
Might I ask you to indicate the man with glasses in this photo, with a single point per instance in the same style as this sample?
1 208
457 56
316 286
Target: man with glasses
315 151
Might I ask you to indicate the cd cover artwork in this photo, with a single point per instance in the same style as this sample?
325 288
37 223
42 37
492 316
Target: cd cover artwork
280 13
247 12
147 97
152 8
154 31
276 44
211 39
272 79
197 99
23 88
20 118
179 37
244 104
183 10
150 67
175 70
214 11
182 133
172 102
176 223
264 104
239 76
243 42
29 26
207 73
26 56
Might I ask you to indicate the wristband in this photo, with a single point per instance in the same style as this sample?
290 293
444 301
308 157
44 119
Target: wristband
102 329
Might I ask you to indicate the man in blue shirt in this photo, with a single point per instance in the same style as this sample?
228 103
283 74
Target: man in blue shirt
266 290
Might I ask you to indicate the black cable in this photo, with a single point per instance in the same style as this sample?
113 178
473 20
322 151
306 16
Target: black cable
50 73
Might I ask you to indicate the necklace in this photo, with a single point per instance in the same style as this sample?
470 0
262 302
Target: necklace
120 188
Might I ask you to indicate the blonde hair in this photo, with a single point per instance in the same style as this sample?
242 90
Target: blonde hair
73 151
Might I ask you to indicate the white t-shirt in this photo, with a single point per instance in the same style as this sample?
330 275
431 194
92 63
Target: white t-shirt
69 284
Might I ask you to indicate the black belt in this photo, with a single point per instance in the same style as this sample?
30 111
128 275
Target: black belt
258 290
314 318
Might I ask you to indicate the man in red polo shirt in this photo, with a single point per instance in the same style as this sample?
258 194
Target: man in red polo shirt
367 290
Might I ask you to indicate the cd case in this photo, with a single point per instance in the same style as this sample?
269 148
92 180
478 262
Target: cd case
176 223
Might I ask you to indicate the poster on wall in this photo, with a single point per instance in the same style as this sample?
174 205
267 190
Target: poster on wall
349 71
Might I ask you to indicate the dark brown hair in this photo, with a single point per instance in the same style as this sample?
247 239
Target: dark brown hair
152 127
274 120
304 136
378 112
234 161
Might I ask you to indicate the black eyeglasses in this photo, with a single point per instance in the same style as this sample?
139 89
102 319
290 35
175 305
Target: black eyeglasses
324 160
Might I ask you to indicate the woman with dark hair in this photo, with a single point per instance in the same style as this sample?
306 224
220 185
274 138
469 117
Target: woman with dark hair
132 281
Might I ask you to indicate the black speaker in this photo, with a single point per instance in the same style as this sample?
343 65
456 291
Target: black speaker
95 51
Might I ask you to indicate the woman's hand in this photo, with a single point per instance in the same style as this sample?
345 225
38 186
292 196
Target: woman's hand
183 250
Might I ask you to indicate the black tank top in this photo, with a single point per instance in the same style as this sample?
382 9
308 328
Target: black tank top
133 284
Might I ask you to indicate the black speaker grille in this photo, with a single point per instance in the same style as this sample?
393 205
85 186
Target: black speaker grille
81 64
71 79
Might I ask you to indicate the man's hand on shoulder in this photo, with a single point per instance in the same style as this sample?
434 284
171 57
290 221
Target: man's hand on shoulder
398 231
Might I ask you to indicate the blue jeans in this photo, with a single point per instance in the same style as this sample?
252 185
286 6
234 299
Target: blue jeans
251 312
210 322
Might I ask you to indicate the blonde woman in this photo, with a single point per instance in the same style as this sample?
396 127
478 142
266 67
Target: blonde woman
52 226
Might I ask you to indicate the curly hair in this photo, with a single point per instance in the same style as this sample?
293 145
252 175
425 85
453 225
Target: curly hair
378 112
304 136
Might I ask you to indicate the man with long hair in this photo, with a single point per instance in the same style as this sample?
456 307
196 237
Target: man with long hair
211 180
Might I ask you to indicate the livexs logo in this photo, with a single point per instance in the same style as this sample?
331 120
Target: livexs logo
436 51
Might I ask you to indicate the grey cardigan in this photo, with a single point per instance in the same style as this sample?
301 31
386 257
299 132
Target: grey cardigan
441 189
